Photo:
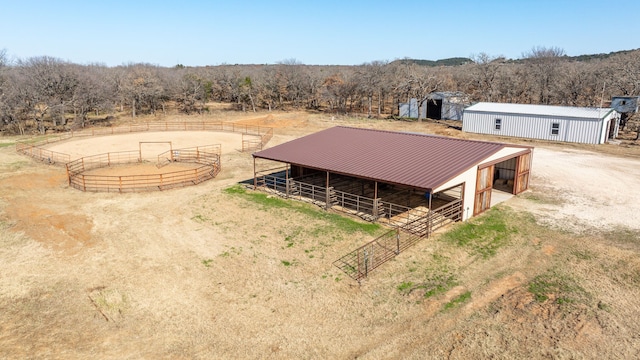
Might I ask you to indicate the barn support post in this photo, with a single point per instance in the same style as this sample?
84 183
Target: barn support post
430 214
286 176
326 194
255 178
462 201
375 200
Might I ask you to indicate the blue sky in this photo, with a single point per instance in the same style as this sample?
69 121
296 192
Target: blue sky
328 32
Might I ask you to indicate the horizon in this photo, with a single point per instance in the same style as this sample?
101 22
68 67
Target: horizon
312 33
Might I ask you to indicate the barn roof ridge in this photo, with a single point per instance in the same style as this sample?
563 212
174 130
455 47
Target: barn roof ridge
419 160
420 134
580 112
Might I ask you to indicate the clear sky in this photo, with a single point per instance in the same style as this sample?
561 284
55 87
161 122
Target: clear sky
326 32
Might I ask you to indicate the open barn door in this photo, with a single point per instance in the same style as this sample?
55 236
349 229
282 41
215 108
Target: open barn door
522 174
484 184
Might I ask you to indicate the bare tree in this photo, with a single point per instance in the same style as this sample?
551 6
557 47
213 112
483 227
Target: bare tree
544 63
484 76
371 76
142 87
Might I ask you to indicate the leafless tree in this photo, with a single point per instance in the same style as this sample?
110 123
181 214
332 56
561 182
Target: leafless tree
485 72
142 88
372 77
543 64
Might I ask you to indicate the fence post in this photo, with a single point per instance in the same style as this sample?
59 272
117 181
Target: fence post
366 263
84 184
375 208
397 241
196 174
287 186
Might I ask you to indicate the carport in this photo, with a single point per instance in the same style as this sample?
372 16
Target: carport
415 181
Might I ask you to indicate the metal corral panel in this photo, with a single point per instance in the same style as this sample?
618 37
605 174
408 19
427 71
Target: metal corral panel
580 125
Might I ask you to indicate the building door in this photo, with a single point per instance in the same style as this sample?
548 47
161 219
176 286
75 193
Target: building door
522 173
484 184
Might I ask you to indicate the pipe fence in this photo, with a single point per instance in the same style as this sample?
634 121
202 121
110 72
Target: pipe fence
207 156
33 147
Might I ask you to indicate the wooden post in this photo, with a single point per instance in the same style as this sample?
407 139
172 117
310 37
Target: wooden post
430 214
286 176
255 179
375 200
327 197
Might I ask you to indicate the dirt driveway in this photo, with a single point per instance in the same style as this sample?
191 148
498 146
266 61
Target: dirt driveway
583 190
201 273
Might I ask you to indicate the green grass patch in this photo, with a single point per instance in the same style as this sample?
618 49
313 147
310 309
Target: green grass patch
207 262
435 283
584 254
541 198
563 289
288 263
462 298
200 218
6 144
624 236
268 202
484 235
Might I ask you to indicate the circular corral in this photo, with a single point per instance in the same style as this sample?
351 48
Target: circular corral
79 147
148 161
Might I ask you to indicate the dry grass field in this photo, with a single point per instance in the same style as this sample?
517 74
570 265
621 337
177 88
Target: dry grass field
215 271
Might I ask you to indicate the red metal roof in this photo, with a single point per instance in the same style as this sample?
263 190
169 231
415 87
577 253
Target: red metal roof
417 160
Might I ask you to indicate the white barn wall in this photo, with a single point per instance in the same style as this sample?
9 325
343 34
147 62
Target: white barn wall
534 127
469 177
585 126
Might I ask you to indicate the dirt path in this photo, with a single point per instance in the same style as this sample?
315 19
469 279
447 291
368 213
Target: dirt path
580 190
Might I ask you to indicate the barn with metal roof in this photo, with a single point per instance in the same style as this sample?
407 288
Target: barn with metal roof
544 122
396 177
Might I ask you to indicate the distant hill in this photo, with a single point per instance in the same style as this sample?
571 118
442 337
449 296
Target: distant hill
443 62
461 60
600 56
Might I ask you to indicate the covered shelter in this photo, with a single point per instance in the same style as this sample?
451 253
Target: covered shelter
415 181
545 122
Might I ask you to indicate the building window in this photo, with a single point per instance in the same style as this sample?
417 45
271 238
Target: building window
555 128
498 124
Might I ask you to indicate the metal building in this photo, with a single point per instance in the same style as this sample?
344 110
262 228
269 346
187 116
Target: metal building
545 122
625 104
386 174
442 105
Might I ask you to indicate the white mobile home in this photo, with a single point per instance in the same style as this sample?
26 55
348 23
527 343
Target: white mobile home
545 122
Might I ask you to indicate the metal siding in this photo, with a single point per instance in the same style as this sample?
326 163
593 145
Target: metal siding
533 127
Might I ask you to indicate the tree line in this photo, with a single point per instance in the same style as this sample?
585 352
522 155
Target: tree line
41 93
